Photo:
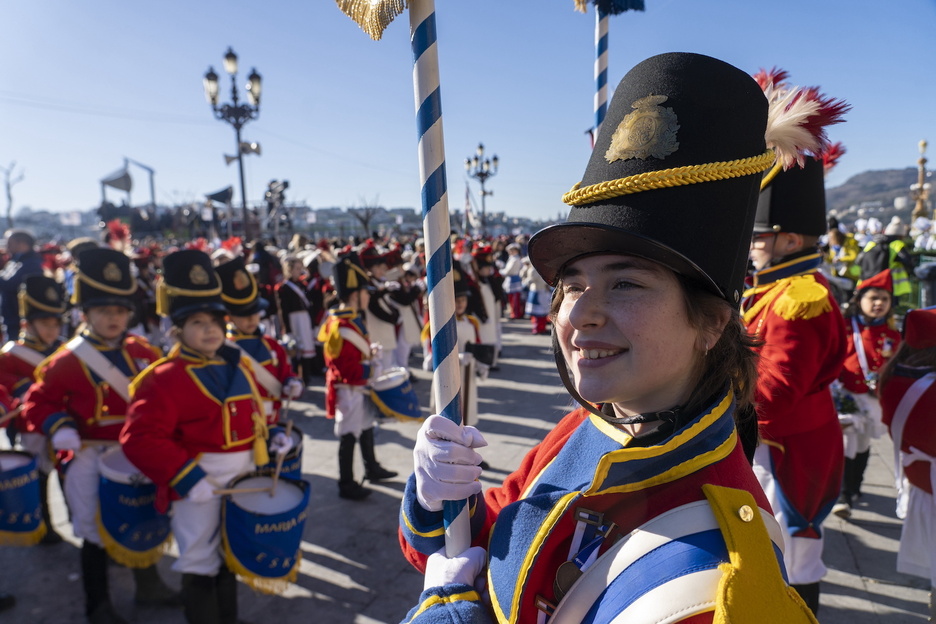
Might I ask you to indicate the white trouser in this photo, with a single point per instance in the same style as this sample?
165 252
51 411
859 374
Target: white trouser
802 555
917 552
859 429
351 413
197 526
82 494
38 446
402 352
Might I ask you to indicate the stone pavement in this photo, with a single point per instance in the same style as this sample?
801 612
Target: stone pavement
352 570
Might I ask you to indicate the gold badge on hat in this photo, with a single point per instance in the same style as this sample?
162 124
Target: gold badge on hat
112 272
648 131
241 280
51 294
198 275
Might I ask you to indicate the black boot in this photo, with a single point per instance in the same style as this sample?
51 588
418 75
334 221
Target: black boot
226 584
151 591
98 606
854 480
347 486
372 470
51 536
810 595
200 599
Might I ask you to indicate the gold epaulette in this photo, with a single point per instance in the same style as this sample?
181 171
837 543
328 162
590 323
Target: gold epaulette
804 298
330 337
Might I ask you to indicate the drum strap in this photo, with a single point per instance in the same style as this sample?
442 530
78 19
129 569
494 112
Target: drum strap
86 352
264 377
359 342
30 356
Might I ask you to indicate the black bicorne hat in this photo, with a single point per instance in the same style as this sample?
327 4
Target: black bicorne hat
349 275
794 201
239 290
674 175
41 297
460 282
189 285
103 278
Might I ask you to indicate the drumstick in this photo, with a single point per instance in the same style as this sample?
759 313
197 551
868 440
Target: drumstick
11 415
279 460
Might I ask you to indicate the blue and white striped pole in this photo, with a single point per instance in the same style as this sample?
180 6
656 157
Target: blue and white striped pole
601 70
436 229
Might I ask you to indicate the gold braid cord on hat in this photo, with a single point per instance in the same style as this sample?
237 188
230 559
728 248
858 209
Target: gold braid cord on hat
165 293
665 178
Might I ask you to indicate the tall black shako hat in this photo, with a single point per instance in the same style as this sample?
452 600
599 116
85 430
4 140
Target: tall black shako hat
793 200
189 285
41 297
103 278
674 175
239 290
349 276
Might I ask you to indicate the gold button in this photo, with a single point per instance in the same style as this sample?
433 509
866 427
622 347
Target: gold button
746 513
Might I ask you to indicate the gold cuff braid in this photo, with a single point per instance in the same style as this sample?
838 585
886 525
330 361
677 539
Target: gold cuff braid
664 178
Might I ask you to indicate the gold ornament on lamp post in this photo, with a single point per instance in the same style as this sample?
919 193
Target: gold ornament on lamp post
920 190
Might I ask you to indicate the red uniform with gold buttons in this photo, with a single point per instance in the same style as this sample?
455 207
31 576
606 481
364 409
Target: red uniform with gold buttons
271 355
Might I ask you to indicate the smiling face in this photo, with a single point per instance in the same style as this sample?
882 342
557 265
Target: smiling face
203 332
625 335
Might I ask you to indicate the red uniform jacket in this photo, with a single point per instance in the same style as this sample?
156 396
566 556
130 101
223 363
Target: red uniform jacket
920 428
880 342
68 393
18 374
804 339
272 356
184 405
347 363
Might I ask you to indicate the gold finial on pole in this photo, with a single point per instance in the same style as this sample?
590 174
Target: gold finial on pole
920 190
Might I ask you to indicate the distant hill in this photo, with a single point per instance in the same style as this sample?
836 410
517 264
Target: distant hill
875 191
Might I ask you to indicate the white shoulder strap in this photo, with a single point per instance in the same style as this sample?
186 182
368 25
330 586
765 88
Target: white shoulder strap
907 402
264 377
30 356
86 352
356 339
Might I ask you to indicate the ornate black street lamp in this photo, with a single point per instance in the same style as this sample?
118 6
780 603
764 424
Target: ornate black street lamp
481 168
235 113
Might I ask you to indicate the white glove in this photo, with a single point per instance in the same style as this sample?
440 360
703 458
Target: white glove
293 388
465 358
201 492
376 366
463 569
392 286
281 443
482 370
66 439
445 462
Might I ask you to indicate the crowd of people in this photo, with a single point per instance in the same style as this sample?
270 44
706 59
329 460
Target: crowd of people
728 393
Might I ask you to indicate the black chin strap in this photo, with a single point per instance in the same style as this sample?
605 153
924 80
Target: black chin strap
669 415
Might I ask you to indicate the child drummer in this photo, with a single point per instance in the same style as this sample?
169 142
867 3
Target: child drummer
267 358
42 306
79 401
196 421
350 358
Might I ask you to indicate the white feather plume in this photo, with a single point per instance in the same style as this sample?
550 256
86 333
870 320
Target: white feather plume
787 134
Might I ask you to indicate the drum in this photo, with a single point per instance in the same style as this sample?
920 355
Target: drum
262 533
292 463
21 521
132 531
394 395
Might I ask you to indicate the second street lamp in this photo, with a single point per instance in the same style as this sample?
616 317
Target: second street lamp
481 169
236 114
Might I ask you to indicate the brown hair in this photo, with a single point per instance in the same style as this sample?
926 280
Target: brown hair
908 356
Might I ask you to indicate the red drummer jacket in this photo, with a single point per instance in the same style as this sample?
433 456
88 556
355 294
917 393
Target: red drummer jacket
186 404
920 428
273 357
880 343
347 362
18 362
68 393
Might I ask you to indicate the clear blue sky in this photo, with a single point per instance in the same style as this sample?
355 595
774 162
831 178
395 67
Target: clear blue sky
85 84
